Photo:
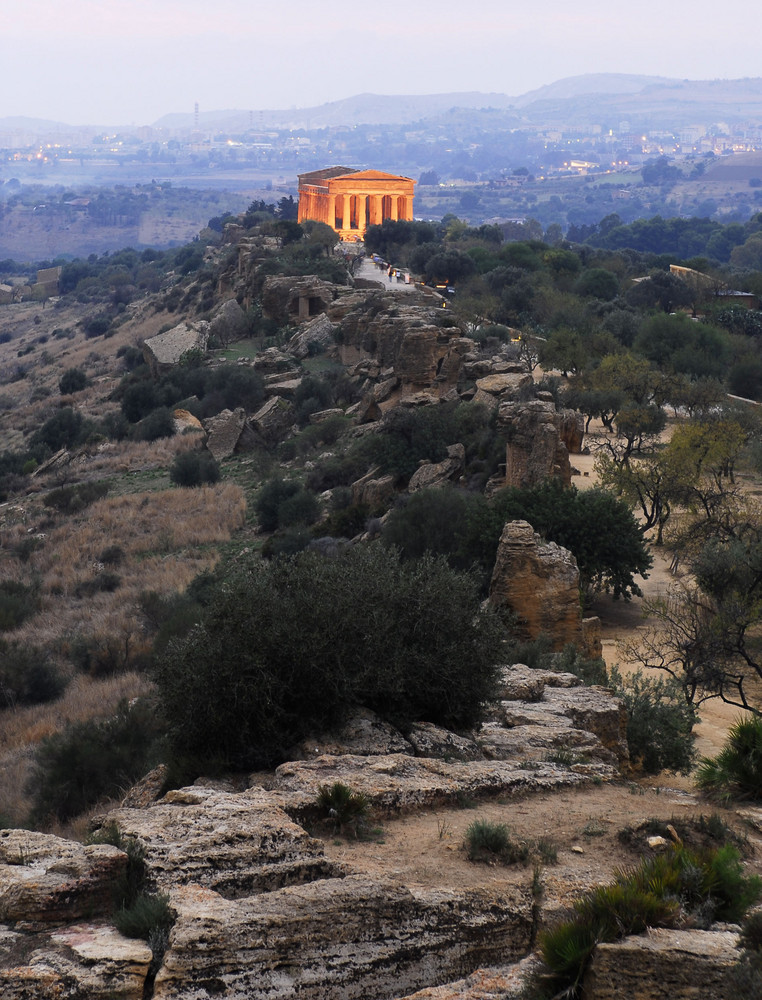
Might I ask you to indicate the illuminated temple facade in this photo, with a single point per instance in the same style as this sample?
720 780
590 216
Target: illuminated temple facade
351 200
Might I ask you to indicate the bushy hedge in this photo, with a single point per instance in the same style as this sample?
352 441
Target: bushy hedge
288 648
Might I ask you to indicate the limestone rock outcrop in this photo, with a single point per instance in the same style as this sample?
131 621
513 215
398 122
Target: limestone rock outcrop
536 446
435 474
665 965
84 961
164 351
46 880
358 937
318 333
236 844
540 583
296 300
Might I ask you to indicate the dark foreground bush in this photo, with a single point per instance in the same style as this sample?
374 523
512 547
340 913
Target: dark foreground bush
17 603
290 647
90 761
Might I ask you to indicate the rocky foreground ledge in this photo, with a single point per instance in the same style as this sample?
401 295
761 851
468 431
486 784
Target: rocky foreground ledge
262 913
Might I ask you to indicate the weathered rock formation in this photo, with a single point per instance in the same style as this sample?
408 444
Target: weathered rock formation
434 474
236 844
537 437
46 880
318 333
665 965
273 421
358 937
165 350
296 300
224 432
540 583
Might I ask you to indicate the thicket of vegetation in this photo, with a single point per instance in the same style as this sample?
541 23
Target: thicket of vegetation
262 669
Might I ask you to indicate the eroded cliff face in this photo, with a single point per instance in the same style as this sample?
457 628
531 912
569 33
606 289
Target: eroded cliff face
539 440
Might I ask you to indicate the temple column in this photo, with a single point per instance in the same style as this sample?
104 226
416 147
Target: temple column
376 209
330 211
346 220
394 216
362 214
408 208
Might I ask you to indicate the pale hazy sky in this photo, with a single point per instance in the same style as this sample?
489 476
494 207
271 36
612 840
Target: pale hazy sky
131 61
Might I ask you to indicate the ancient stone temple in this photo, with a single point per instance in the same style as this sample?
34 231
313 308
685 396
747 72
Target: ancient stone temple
351 200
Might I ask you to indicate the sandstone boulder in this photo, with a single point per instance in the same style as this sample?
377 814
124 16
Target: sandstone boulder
373 491
535 448
665 965
47 880
316 334
358 937
539 583
273 421
429 740
235 844
165 350
184 421
228 322
84 961
508 384
224 431
434 474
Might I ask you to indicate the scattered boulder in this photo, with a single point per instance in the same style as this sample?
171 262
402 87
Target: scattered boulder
228 322
364 734
273 421
164 351
316 334
184 420
373 491
429 740
224 431
434 474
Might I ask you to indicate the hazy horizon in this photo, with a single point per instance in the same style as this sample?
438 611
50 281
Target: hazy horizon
131 62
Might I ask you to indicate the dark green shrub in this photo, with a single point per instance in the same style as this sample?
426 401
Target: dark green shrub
287 542
342 807
736 771
17 603
158 424
261 670
282 503
194 468
28 676
91 760
66 429
301 508
660 722
72 380
72 499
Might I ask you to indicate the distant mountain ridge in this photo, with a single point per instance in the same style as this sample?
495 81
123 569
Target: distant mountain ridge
594 98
